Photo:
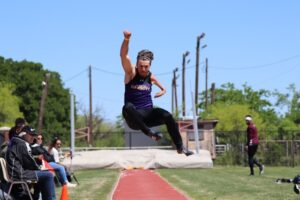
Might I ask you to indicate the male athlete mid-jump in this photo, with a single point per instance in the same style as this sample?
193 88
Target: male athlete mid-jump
138 109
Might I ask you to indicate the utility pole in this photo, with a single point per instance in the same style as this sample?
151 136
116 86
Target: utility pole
175 90
90 136
213 93
206 82
72 122
197 69
183 81
45 84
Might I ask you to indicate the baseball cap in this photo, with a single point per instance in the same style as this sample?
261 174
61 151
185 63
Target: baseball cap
27 130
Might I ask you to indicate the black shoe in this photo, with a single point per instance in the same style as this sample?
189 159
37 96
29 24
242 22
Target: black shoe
185 151
156 135
284 180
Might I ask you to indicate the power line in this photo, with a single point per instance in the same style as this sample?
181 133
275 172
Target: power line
258 66
95 97
215 67
279 75
164 73
191 67
69 79
121 74
171 72
108 72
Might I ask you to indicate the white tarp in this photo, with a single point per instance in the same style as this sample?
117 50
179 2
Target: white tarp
147 159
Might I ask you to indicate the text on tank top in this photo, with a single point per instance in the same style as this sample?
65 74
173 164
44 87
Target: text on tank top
138 92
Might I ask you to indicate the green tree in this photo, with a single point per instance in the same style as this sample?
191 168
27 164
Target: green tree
57 108
232 117
287 128
9 105
290 102
255 101
27 78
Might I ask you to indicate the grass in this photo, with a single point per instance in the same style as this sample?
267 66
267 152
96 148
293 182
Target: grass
93 185
232 183
219 183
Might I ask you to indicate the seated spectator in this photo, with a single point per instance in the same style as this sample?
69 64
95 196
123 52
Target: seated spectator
39 150
22 166
55 150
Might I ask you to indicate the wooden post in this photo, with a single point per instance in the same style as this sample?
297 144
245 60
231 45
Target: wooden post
45 84
206 82
213 93
183 82
175 91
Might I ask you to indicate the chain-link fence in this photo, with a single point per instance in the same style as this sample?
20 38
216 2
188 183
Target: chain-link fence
230 149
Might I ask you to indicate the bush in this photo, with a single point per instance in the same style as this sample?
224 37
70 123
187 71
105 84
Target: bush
228 158
275 154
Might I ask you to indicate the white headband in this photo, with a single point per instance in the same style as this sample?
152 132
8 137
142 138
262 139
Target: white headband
248 118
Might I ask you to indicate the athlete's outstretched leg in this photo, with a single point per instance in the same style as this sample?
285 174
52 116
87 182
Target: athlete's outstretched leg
159 116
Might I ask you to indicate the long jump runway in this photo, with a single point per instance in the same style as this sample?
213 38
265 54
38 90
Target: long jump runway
143 184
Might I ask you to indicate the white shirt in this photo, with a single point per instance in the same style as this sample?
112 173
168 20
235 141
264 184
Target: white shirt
28 148
55 154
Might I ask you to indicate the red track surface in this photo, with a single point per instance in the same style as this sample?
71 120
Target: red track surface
144 185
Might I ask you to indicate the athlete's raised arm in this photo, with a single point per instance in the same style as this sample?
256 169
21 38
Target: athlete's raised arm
129 69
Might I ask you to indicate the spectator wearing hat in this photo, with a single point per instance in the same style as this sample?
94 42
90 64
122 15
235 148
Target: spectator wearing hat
22 166
252 145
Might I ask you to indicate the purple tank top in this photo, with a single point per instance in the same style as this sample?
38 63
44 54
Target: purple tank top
138 92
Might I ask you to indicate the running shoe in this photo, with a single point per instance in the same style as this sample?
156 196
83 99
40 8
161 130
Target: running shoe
185 151
156 135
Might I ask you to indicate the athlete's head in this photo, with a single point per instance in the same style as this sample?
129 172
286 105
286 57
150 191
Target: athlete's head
143 62
248 119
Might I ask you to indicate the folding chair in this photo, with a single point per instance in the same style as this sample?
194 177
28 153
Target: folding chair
3 189
5 177
72 174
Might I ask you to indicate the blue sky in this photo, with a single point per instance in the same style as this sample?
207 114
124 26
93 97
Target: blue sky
254 42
